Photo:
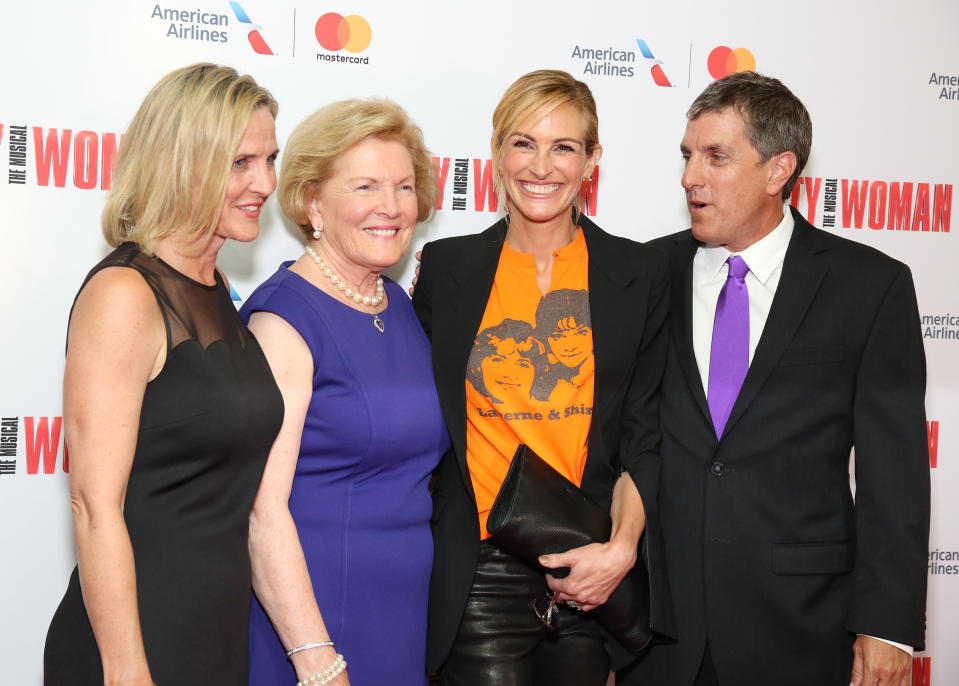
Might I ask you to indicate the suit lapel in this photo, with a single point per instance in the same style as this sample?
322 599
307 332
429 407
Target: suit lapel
469 284
681 318
611 313
801 277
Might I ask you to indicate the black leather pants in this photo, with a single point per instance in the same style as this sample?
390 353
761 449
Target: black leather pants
501 641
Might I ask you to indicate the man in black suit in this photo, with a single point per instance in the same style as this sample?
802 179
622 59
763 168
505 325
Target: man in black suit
779 574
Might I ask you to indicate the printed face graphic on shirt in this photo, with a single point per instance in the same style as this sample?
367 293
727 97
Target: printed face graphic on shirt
570 342
564 326
507 369
514 363
505 361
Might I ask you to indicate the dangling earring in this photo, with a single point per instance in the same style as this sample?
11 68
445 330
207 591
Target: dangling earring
316 234
500 185
589 189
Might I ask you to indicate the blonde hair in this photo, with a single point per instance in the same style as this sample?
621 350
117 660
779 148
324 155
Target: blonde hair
318 141
537 94
174 163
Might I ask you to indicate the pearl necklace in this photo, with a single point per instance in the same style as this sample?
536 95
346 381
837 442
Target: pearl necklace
353 294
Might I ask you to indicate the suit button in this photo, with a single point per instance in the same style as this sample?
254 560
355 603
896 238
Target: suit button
717 468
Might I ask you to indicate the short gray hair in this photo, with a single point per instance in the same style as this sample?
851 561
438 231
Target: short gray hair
776 120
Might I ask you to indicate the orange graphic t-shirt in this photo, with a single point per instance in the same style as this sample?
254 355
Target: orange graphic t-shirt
529 378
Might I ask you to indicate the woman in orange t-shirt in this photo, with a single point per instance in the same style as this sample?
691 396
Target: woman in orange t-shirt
560 330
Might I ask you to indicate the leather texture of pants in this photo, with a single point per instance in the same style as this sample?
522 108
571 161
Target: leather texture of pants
501 641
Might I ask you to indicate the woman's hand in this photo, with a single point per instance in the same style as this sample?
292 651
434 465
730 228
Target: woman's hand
416 276
595 571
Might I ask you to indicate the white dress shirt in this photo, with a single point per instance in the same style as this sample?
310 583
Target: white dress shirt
765 261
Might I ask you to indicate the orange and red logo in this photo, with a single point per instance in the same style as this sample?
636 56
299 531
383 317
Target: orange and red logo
336 32
655 70
256 39
724 61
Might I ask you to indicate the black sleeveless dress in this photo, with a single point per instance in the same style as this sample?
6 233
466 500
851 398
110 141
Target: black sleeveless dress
206 427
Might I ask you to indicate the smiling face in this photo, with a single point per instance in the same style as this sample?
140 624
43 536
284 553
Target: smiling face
507 370
732 195
367 209
570 342
543 163
252 179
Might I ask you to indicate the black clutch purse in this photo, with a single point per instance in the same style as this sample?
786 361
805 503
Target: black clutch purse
538 511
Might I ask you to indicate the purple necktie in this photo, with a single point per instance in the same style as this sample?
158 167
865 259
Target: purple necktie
729 355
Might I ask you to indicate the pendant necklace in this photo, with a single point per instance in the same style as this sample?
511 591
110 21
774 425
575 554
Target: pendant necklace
352 293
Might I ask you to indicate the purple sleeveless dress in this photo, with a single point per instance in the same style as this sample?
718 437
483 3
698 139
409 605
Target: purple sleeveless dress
373 435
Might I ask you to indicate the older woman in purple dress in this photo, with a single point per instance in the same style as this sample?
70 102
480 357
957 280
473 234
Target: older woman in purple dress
339 532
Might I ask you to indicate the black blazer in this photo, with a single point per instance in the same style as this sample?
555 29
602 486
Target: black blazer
769 558
628 296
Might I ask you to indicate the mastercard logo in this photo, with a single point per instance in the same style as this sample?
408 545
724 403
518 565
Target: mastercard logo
723 61
336 32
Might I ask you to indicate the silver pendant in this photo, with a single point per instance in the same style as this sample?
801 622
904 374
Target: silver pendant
379 323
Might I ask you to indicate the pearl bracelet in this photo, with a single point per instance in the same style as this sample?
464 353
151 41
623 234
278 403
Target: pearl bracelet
307 646
327 675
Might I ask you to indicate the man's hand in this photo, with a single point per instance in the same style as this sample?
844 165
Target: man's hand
876 663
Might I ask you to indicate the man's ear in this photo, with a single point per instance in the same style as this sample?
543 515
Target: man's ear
781 168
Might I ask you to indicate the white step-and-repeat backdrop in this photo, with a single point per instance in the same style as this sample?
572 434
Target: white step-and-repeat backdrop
880 78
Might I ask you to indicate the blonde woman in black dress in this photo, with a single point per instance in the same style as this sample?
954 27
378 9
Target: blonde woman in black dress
169 404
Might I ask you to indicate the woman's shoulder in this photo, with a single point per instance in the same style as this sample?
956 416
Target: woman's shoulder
492 236
124 255
117 301
122 283
606 247
397 295
277 291
121 275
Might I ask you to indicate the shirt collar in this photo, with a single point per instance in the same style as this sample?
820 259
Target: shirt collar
569 252
763 256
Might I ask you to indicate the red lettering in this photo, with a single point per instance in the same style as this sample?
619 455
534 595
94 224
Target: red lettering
55 152
921 671
920 220
109 162
932 436
44 439
442 166
853 202
877 205
812 197
589 194
942 209
86 154
900 206
484 190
